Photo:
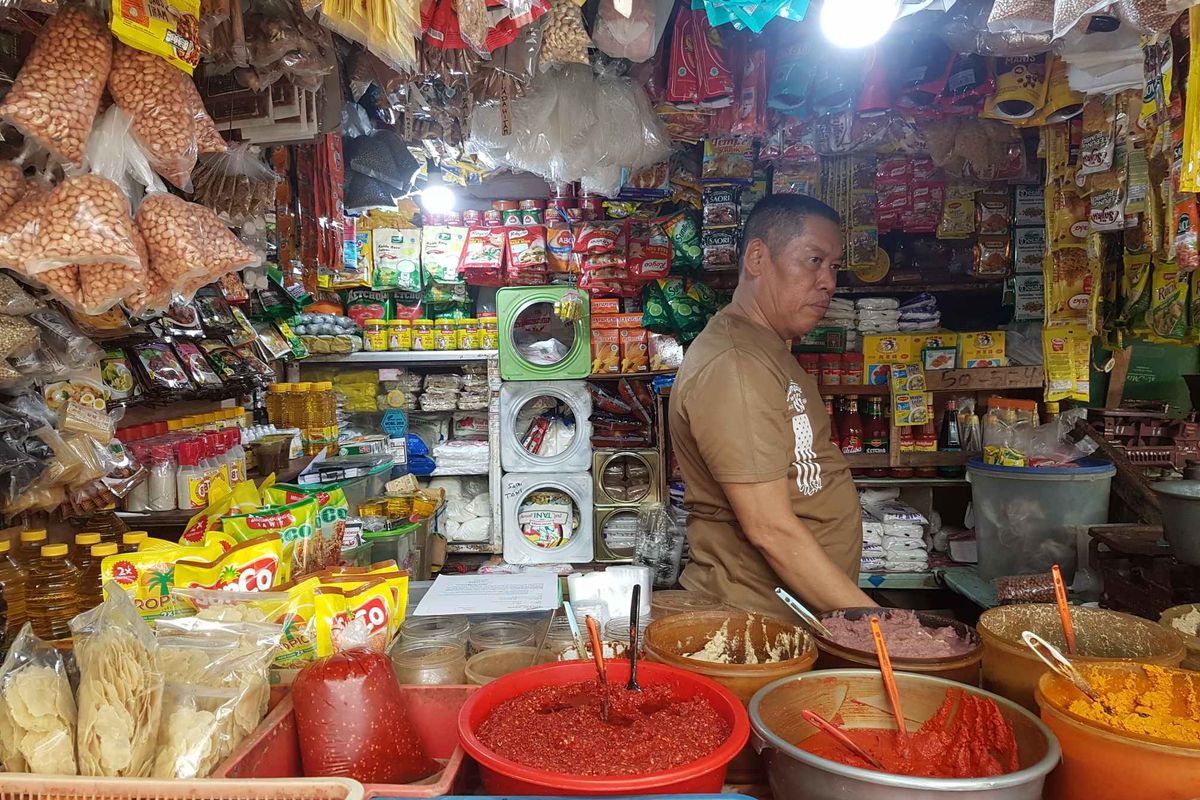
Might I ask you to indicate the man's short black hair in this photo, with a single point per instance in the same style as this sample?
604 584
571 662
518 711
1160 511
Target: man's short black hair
780 217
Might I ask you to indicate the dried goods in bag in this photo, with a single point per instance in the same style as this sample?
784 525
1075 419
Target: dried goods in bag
120 690
57 92
564 39
12 185
102 286
186 242
37 711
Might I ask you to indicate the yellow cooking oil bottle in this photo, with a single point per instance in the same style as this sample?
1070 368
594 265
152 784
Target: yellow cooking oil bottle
91 581
52 597
13 580
28 544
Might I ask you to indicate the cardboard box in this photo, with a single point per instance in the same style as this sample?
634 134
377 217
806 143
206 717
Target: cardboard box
912 408
981 349
934 340
881 350
629 320
635 350
606 351
1029 250
605 305
940 357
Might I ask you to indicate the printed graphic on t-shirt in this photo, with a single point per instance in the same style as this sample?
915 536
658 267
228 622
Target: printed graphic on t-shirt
808 471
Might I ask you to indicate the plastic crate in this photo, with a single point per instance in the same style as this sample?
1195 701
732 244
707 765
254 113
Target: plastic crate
19 786
273 750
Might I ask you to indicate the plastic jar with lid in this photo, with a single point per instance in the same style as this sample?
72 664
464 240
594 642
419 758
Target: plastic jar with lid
468 334
422 334
852 369
489 332
435 629
399 337
375 336
430 663
617 630
500 633
445 334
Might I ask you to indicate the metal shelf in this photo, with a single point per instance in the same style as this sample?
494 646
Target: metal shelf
886 482
917 288
402 357
898 580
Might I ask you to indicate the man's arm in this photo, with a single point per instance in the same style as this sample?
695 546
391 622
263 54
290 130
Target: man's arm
764 513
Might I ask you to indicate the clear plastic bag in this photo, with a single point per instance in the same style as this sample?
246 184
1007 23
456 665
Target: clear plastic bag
186 242
236 184
1069 13
72 347
57 92
1024 16
84 220
120 690
37 711
635 37
564 39
1148 16
14 300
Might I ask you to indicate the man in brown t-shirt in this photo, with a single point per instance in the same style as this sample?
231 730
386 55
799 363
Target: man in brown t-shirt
770 498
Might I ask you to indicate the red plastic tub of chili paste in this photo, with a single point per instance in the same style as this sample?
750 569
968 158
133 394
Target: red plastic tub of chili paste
503 776
273 750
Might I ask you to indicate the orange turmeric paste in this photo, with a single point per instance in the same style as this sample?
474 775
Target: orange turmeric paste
1159 703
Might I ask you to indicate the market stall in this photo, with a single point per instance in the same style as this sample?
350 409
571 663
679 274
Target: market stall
341 346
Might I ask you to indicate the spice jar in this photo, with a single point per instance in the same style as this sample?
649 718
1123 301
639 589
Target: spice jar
430 663
489 332
445 334
617 630
375 335
468 334
435 629
831 369
422 334
400 335
500 633
810 363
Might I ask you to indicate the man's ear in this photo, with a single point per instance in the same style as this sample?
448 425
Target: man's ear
757 259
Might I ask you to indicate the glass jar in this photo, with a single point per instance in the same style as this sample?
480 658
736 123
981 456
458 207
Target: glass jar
435 629
468 334
430 663
489 332
500 633
375 336
422 334
445 334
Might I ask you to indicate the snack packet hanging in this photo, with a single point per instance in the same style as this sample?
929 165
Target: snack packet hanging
256 565
120 690
148 576
296 523
332 511
37 709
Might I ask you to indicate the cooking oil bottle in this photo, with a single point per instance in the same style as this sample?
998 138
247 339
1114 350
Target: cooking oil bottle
81 553
13 579
28 545
327 416
275 395
52 598
131 541
91 583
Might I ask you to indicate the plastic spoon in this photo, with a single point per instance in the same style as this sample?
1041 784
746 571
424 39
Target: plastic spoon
889 675
576 634
634 607
810 619
817 721
1064 610
598 656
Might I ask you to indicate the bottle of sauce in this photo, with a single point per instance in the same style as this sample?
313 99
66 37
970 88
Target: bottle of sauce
925 441
950 439
833 426
876 436
13 580
851 427
52 599
904 436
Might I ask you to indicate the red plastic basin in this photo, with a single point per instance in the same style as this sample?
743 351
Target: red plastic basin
273 750
500 776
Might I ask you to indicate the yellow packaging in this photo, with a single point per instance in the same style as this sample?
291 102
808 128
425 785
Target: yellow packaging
167 28
220 538
881 350
251 566
981 349
148 576
330 617
220 501
934 340
154 544
912 408
371 601
296 524
907 378
1066 354
396 580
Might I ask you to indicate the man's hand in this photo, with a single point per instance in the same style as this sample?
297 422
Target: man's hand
765 514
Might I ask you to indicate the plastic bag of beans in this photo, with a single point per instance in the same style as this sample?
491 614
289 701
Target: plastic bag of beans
208 138
153 294
85 220
158 97
57 92
20 226
187 243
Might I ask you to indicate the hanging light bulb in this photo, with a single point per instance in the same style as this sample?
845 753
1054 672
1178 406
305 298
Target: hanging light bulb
438 199
857 23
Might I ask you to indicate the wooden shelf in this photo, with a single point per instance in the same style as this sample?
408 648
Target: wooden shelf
898 459
917 288
860 389
883 483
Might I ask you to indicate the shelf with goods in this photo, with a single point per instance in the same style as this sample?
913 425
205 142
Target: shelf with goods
917 288
439 361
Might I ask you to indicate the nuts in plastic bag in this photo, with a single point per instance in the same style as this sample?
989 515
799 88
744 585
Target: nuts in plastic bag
186 242
102 286
85 220
12 185
15 301
564 39
57 92
17 337
37 711
120 690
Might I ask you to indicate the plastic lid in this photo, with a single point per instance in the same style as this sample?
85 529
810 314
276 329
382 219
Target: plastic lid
5 545
287 387
53 550
303 386
422 321
134 537
1084 466
487 316
101 550
275 388
325 386
87 538
33 535
174 424
468 321
374 322
403 322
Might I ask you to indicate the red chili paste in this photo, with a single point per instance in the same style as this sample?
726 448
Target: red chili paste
978 742
559 728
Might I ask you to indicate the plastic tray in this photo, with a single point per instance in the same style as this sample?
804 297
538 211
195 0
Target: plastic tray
14 786
273 751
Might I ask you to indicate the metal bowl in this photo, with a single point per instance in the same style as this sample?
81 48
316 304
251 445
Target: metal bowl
1179 502
796 774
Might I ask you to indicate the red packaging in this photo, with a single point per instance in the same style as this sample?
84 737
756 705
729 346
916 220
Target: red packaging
482 261
750 110
526 248
352 722
649 251
683 83
716 81
559 243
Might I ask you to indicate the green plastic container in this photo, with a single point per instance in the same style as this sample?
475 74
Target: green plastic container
407 545
534 343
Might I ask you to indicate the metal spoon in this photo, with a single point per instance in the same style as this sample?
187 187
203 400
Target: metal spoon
1059 664
635 606
809 618
817 721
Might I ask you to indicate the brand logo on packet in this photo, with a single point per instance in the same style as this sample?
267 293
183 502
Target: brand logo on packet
124 573
271 522
374 612
256 576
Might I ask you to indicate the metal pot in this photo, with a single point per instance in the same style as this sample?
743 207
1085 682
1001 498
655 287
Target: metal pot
1179 502
775 722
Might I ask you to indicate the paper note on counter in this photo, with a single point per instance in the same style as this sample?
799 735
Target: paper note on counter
490 594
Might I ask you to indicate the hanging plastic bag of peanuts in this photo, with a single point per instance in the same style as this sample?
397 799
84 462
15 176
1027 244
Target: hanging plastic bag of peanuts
85 220
186 242
158 98
12 185
20 231
57 92
564 40
208 138
154 294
